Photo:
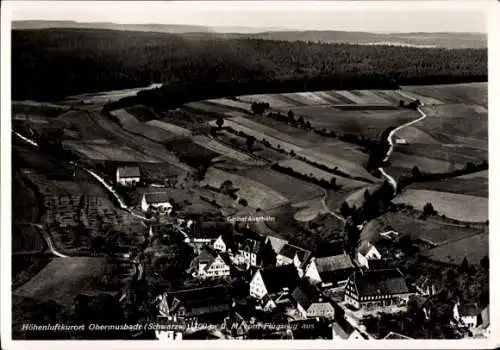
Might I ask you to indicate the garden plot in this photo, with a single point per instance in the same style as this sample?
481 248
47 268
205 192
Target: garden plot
313 98
228 103
471 93
370 97
473 248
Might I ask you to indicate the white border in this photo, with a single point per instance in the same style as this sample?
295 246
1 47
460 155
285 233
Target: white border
492 7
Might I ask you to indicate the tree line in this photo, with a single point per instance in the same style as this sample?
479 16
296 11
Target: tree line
50 64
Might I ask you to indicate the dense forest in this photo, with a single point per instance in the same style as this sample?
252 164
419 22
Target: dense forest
53 63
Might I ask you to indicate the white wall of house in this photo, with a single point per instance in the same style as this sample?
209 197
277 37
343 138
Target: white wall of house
362 260
218 268
257 286
302 311
145 205
312 272
126 181
220 245
321 309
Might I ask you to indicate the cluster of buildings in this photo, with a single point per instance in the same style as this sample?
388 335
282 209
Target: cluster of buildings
280 283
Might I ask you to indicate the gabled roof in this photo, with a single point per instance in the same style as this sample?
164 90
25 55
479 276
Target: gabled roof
157 197
330 249
208 256
290 251
199 301
380 282
305 294
129 171
251 245
276 243
469 309
278 277
334 263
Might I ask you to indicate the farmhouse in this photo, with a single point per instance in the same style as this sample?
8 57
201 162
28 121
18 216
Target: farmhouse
212 264
157 200
274 281
223 243
377 288
330 271
467 314
290 254
366 252
199 305
310 302
128 176
169 329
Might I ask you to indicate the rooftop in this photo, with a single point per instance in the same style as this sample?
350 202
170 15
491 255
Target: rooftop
469 309
305 294
380 282
364 247
157 197
278 277
129 171
290 251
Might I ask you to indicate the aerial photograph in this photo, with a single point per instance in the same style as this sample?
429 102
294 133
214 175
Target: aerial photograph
185 171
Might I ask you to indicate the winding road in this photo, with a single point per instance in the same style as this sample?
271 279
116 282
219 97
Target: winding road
389 178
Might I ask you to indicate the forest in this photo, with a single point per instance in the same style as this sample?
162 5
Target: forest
53 63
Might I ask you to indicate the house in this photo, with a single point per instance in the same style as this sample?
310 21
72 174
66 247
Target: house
128 176
290 254
467 314
343 330
310 302
212 264
208 305
424 286
275 281
207 233
255 253
366 252
156 200
330 271
377 288
223 243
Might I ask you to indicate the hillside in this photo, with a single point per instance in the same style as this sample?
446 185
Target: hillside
87 60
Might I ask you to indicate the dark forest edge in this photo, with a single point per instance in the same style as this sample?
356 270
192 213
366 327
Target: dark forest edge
71 62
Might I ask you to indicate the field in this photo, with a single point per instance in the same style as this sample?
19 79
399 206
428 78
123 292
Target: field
293 189
473 185
472 93
142 113
358 120
308 170
255 193
64 278
433 230
289 143
473 248
215 146
177 130
456 206
130 123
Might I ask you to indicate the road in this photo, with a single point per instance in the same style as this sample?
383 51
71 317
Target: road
325 207
389 178
48 239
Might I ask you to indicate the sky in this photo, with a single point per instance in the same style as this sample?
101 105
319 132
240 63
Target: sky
402 16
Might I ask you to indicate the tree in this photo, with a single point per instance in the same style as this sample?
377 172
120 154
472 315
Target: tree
243 202
401 103
292 153
220 122
485 263
345 210
291 116
250 143
226 187
429 209
367 195
333 182
415 172
301 121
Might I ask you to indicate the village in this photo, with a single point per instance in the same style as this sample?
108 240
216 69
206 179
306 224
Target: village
254 286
